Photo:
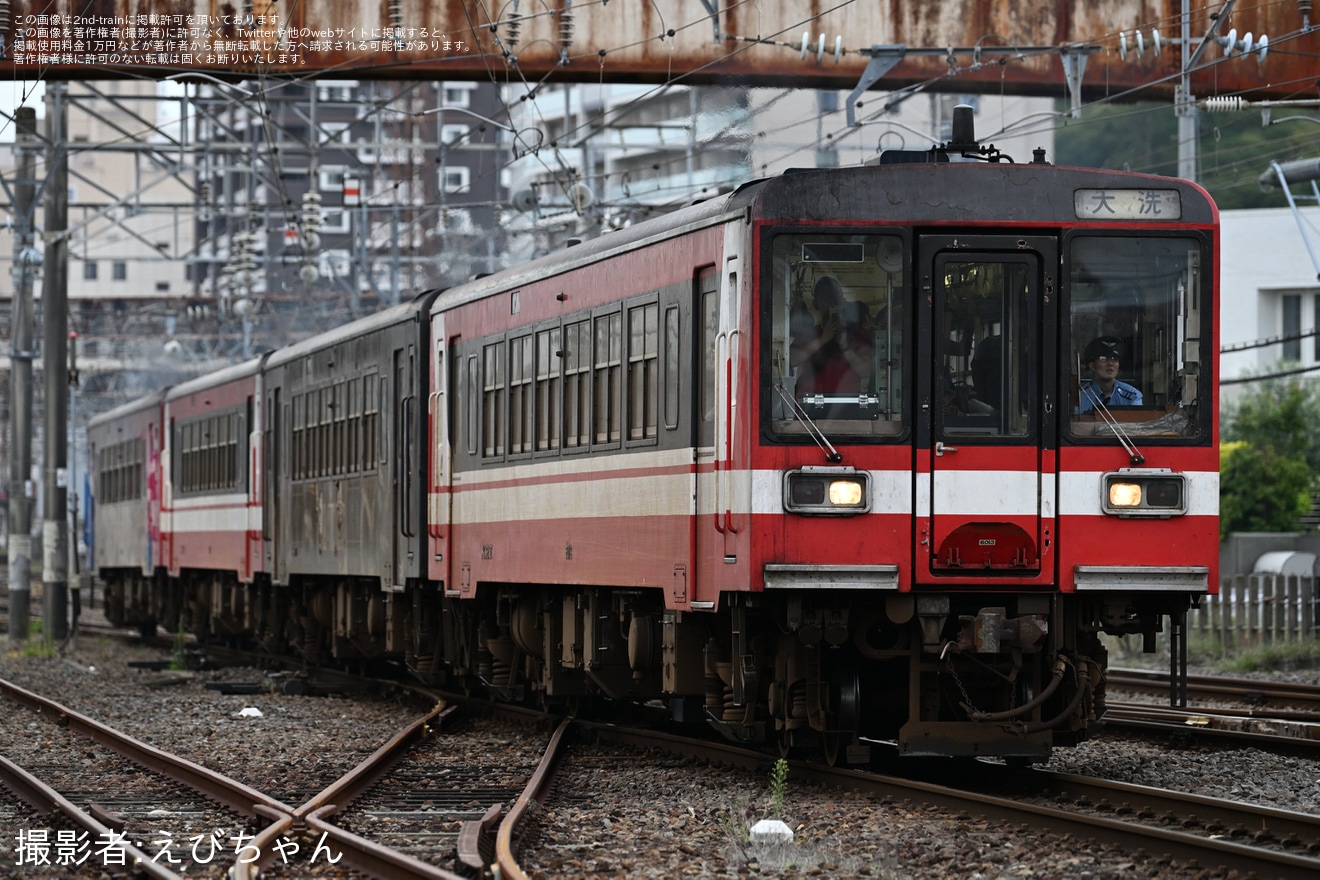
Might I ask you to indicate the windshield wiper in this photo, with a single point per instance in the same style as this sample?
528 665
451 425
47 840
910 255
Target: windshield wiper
831 454
1123 438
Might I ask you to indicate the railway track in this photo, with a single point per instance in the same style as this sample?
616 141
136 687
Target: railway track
1208 688
423 805
1256 841
1276 716
412 809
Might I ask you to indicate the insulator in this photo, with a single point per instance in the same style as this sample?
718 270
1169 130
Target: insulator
566 29
204 194
1262 48
1230 42
806 42
511 30
1122 45
838 48
820 48
1141 44
4 20
1225 104
396 14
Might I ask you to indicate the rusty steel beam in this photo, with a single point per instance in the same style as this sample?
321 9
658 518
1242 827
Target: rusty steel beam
786 43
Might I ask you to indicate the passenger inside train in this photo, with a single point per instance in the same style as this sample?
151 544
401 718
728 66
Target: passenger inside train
835 355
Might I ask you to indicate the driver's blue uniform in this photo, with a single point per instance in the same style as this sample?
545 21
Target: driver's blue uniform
1122 394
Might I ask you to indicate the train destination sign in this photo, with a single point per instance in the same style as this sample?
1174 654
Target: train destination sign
1127 204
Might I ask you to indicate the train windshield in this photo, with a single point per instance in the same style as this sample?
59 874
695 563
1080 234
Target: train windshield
1139 336
837 317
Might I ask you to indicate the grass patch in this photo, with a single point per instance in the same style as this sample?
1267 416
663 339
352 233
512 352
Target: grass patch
1206 651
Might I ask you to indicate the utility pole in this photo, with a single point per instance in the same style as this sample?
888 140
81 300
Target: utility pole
55 346
1184 105
20 377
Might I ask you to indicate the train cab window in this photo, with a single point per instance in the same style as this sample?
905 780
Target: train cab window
837 308
1139 330
985 360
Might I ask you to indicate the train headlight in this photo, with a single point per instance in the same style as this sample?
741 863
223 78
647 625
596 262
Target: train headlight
1153 492
827 491
846 493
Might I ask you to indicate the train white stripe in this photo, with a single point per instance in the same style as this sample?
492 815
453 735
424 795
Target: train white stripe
223 519
641 496
571 465
959 493
987 493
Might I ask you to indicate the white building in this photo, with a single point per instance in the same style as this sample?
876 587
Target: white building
1269 288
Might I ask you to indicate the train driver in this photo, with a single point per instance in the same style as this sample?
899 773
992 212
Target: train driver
834 356
1101 357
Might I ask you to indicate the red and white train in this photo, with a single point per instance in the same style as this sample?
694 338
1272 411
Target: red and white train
836 458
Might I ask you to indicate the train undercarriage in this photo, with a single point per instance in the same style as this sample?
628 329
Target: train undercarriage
947 673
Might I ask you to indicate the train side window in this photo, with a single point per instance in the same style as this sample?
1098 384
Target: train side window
549 389
710 328
473 397
184 458
607 378
520 394
382 446
337 428
352 426
671 368
296 438
370 419
577 384
643 371
492 400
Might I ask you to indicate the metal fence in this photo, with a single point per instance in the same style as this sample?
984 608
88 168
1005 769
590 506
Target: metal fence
1259 609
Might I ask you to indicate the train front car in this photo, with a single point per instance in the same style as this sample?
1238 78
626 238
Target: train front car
984 433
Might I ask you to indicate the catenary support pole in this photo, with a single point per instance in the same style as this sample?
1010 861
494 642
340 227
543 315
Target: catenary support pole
55 346
22 332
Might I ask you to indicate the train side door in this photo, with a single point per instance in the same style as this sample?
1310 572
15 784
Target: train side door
270 491
986 464
708 519
404 467
440 455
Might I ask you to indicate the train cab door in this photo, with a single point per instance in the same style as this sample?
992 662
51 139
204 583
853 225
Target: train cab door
986 451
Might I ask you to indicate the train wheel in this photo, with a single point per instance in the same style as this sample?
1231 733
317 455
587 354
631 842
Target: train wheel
847 705
836 747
